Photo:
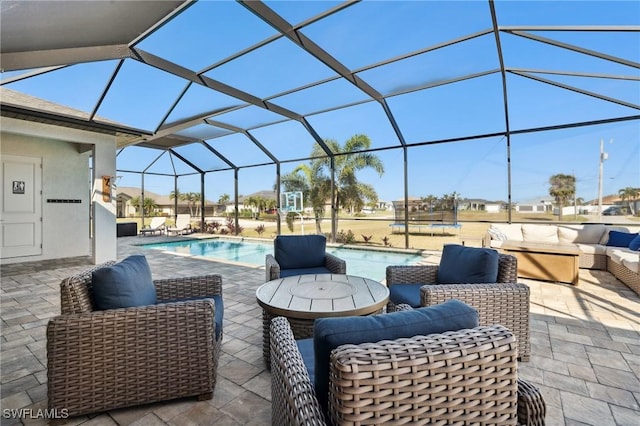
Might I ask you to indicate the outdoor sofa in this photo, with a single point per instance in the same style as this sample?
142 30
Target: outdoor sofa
101 358
602 247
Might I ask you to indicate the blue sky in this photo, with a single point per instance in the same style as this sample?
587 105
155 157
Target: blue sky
363 35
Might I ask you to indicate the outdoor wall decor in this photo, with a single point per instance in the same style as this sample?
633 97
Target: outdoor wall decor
18 186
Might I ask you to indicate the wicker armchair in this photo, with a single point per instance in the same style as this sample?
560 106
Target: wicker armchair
101 360
505 302
332 264
462 377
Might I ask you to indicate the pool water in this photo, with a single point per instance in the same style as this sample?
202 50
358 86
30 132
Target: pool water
365 263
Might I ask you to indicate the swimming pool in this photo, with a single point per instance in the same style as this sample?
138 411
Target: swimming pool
365 263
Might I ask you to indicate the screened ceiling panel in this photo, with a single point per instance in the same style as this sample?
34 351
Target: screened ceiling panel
134 98
446 110
321 97
448 63
622 44
202 131
296 12
200 101
617 89
520 53
87 81
239 149
368 32
200 156
530 111
368 119
287 140
205 33
249 117
523 13
250 71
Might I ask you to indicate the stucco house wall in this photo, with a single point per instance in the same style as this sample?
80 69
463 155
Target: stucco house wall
66 175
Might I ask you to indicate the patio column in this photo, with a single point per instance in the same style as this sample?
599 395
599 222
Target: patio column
103 202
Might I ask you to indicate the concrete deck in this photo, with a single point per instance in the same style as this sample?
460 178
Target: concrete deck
585 346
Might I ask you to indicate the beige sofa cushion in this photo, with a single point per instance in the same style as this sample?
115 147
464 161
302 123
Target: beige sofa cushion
632 264
580 234
540 233
592 248
512 231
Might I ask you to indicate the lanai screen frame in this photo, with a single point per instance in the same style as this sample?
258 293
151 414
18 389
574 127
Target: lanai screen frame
164 134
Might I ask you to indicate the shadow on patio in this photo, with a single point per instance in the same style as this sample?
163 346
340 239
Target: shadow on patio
585 346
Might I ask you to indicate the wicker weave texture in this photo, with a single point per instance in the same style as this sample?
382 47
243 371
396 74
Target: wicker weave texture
462 377
626 275
331 262
459 377
504 304
101 360
592 261
293 398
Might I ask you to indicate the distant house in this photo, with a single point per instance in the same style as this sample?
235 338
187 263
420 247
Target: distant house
539 205
165 206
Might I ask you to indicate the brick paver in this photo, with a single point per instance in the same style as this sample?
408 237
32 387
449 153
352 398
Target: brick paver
585 346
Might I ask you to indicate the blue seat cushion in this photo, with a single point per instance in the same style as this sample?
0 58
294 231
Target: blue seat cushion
218 318
303 271
406 293
305 346
126 284
329 333
467 265
620 239
635 243
299 251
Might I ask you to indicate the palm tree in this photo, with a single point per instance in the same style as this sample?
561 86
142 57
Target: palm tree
349 159
563 188
148 205
224 199
629 194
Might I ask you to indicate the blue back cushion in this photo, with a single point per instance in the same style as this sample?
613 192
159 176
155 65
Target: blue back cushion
329 333
470 265
620 239
299 251
304 271
124 285
406 293
635 243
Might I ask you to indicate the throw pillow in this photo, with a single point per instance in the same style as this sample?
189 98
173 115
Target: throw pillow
620 239
635 243
497 234
467 265
300 251
124 285
329 333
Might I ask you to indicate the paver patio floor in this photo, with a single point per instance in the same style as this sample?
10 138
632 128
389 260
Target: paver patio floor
585 346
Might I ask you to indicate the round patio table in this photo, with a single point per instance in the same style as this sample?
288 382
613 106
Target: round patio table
303 298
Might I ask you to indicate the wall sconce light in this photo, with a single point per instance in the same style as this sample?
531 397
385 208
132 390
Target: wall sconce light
109 185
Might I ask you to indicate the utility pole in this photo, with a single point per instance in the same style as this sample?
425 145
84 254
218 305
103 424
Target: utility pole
603 157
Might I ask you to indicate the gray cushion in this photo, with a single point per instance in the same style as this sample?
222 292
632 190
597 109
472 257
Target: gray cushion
467 265
299 251
329 333
124 285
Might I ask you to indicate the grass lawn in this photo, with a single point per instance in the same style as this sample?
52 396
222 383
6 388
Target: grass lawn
376 226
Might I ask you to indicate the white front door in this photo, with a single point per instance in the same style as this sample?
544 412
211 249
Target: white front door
21 197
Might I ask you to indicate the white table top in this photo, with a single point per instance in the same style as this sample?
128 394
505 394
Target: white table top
322 295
